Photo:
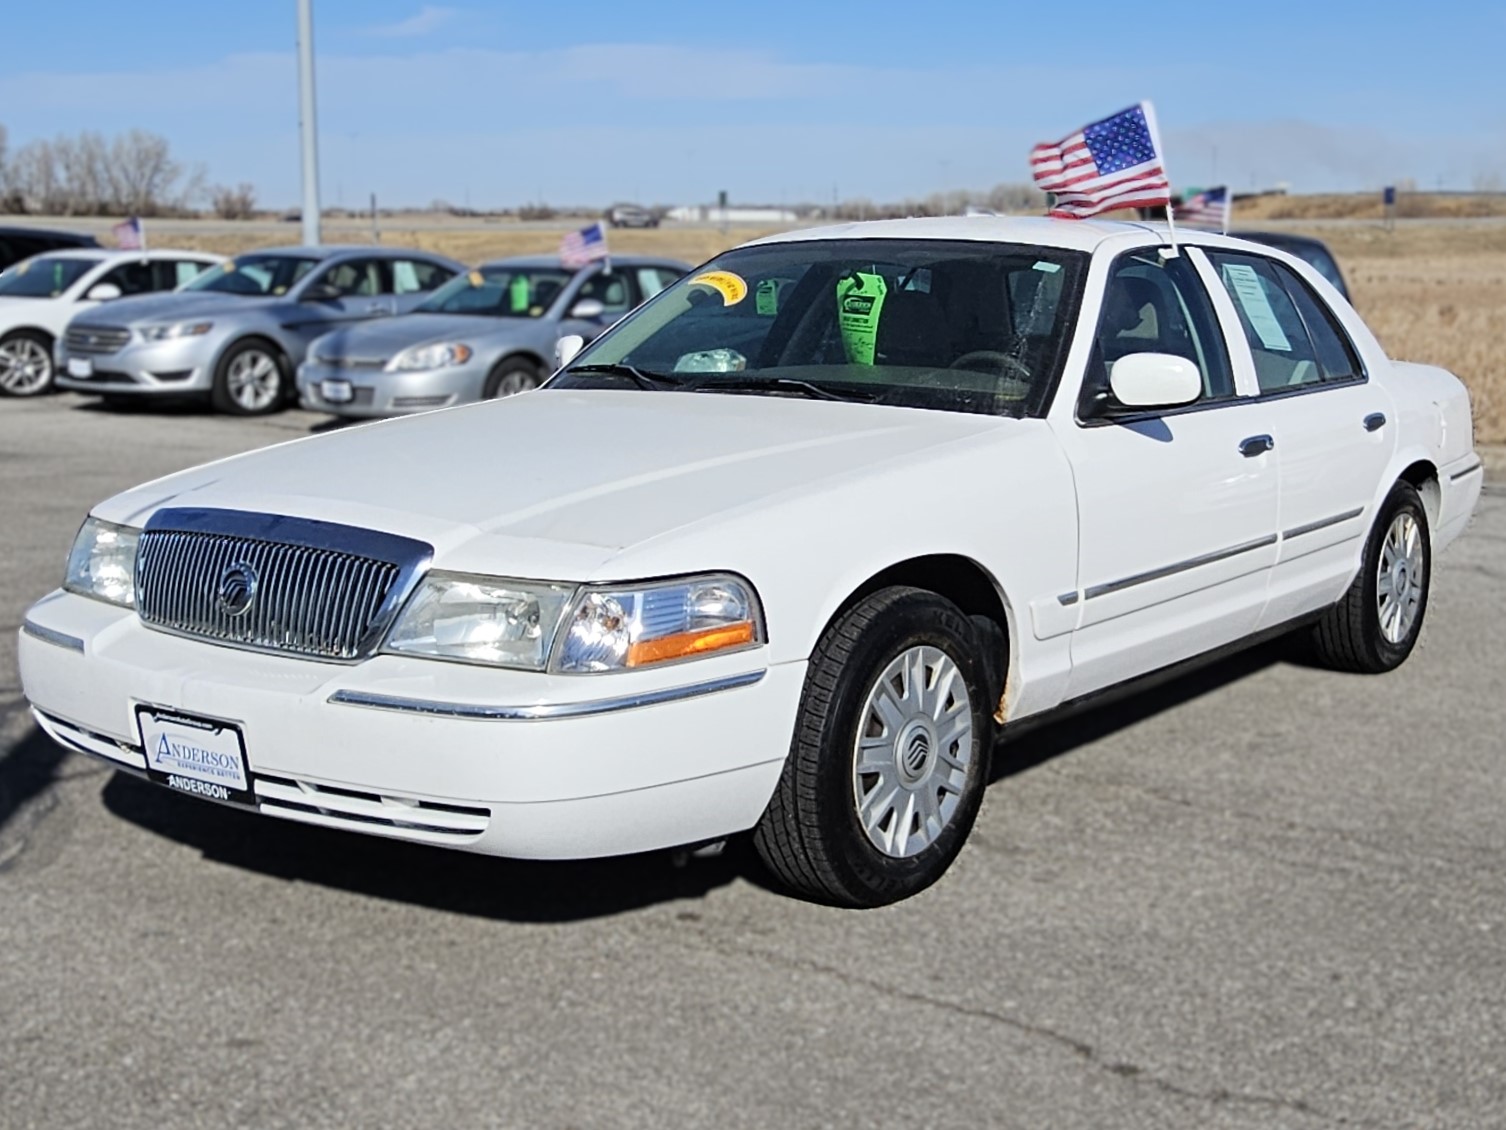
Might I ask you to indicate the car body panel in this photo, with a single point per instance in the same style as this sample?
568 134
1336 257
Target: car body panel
1115 548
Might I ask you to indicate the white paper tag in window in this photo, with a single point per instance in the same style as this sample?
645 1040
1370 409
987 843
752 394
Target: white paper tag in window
1253 299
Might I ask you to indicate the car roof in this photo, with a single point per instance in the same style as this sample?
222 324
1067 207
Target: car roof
101 254
82 239
617 260
330 250
1279 238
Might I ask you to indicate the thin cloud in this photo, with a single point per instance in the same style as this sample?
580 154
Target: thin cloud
429 19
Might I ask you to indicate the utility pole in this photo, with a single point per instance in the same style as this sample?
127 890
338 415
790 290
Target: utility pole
306 120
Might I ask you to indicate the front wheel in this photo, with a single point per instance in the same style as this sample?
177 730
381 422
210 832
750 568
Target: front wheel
25 364
511 377
1375 626
250 380
890 755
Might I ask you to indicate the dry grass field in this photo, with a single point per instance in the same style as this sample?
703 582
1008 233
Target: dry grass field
1432 291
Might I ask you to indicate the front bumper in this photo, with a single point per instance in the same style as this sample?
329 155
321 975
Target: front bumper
371 393
143 368
436 752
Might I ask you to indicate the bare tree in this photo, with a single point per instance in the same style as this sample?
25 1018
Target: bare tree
238 203
142 173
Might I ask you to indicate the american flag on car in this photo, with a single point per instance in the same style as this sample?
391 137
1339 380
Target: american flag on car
584 246
1113 163
1206 209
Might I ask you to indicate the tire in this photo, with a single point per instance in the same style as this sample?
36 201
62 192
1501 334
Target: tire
846 836
511 376
26 364
1375 626
251 379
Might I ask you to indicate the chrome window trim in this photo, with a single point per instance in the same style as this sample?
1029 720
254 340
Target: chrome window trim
1321 524
541 711
47 635
1094 591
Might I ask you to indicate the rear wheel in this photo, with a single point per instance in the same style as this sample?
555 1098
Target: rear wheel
890 755
1375 626
511 376
250 380
26 367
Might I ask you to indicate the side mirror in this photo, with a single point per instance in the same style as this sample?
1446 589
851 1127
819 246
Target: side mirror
322 292
1155 380
587 309
567 348
103 292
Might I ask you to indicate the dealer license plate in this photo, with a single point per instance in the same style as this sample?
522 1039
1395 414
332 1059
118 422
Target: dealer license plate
198 756
336 392
80 367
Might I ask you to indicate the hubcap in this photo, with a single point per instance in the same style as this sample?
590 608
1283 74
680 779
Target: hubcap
515 382
253 380
1400 578
913 751
25 367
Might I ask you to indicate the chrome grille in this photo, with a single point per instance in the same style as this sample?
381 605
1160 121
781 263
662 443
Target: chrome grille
96 339
272 583
352 362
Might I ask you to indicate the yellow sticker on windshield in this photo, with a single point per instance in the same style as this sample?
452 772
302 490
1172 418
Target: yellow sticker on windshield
731 287
22 267
229 265
475 278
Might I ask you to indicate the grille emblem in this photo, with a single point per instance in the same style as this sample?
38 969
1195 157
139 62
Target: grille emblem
237 588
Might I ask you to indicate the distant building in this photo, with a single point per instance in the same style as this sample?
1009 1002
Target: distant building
711 214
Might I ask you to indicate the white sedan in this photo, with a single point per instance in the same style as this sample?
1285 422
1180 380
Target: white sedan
785 551
41 295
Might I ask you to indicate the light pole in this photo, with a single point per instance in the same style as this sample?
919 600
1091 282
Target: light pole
307 125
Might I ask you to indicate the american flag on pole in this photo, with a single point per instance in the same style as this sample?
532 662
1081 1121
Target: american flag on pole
130 234
584 246
1113 163
1206 209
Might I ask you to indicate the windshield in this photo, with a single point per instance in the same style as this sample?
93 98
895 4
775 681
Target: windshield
46 276
254 276
956 325
499 292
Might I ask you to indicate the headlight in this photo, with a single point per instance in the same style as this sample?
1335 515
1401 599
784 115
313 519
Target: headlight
627 626
438 356
175 330
102 563
487 620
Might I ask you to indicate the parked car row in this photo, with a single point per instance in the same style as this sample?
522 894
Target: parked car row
352 330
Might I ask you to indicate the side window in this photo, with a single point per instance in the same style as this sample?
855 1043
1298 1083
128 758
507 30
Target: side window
131 278
356 278
415 276
1337 359
1285 357
180 271
1156 305
651 280
616 292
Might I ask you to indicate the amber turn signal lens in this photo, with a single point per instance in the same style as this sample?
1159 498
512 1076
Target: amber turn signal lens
685 644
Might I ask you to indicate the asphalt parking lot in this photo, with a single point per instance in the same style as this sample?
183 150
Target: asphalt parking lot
1261 895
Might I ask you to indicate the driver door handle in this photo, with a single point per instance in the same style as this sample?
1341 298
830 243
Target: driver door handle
1375 421
1256 445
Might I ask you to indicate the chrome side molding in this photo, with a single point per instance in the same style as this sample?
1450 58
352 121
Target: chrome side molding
47 635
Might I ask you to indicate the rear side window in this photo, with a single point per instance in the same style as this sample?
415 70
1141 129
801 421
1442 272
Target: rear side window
1293 337
414 276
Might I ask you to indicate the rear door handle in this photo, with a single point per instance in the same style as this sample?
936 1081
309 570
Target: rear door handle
1375 421
1256 445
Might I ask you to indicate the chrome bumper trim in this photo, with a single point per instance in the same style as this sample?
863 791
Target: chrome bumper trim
47 635
542 711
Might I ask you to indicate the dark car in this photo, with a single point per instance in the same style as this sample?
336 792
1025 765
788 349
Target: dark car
1304 247
22 243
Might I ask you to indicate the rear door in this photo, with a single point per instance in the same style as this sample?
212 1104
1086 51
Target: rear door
1177 508
1334 429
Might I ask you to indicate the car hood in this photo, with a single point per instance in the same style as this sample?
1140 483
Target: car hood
382 338
172 306
555 483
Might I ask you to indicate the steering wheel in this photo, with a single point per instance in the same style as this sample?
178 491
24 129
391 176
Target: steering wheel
1003 360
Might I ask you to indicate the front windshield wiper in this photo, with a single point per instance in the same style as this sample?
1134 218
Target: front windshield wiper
640 377
780 384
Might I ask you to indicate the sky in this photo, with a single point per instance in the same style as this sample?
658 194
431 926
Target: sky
497 104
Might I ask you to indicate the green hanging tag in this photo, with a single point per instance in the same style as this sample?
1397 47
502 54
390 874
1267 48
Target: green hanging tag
766 297
517 294
860 303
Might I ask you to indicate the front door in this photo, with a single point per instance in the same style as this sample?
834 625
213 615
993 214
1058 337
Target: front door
1177 509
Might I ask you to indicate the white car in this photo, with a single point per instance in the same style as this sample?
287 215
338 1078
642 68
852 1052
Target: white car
41 295
784 551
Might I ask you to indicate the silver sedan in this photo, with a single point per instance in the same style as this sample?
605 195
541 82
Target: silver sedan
486 333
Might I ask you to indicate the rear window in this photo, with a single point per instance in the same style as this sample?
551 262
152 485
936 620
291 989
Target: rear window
46 276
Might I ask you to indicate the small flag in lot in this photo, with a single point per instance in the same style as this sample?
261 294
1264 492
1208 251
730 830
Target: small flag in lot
130 234
1206 209
1113 163
584 246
